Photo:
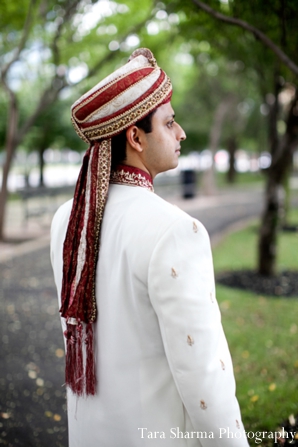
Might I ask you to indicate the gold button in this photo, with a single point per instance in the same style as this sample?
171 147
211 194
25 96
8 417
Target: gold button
203 405
174 273
190 340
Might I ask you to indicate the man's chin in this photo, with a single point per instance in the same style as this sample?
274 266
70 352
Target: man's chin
173 166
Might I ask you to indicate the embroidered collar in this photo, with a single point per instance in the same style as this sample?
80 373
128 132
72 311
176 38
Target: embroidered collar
131 176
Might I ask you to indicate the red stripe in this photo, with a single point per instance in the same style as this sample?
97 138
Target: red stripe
130 106
107 95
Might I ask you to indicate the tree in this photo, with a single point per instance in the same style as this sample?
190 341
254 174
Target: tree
272 57
216 78
255 31
60 33
52 129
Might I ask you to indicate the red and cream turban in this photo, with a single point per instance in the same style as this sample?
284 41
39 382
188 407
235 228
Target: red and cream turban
117 102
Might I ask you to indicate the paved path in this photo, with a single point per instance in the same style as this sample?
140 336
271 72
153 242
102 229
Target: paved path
32 400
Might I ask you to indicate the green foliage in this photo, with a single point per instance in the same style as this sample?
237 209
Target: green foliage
230 47
206 60
12 17
53 129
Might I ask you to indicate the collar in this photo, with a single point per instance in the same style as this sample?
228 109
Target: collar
131 176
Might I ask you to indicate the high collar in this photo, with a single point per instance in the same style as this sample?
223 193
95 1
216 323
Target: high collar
131 176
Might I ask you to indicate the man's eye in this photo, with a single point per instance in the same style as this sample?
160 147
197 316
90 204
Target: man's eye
170 123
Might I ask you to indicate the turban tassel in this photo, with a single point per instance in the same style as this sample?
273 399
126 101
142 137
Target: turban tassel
80 255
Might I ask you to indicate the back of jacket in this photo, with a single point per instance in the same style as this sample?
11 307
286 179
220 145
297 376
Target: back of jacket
164 372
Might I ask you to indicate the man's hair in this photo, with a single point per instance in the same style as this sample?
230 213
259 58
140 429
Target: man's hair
119 141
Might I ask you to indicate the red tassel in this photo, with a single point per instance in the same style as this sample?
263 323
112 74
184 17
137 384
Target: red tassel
90 362
79 362
70 366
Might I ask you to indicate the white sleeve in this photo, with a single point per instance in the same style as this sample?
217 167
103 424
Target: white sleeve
182 292
58 232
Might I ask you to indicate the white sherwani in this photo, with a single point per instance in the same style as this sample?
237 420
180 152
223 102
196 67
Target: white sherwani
164 371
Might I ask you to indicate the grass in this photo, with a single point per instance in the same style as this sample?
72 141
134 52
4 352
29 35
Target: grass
262 334
239 250
241 179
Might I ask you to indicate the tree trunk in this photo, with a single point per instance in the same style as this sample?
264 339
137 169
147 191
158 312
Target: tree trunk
208 181
10 147
41 165
281 161
232 147
287 195
269 222
268 230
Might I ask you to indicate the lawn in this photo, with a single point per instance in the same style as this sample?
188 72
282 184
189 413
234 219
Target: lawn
262 333
241 179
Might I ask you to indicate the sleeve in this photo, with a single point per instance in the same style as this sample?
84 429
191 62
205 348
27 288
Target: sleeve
182 292
58 232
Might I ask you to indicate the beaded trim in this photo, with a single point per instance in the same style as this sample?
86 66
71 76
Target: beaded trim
131 176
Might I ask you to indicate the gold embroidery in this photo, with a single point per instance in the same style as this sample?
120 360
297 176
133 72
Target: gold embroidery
190 340
203 405
195 227
174 273
222 365
122 177
103 177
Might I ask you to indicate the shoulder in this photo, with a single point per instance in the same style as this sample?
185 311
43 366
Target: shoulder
155 206
177 220
62 213
185 234
170 225
144 214
60 221
139 206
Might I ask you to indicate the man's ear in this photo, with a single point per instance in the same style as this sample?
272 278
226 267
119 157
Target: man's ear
135 137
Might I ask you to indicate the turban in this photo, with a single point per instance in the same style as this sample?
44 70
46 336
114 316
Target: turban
117 102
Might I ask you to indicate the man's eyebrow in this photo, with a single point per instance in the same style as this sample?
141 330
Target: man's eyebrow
170 116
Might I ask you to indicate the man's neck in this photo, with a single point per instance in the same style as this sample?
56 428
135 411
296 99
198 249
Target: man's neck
137 164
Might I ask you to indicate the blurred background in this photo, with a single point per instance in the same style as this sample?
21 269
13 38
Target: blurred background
233 65
233 70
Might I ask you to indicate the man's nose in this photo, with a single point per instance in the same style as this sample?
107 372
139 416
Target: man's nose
182 134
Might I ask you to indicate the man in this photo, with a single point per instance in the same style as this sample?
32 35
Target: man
135 274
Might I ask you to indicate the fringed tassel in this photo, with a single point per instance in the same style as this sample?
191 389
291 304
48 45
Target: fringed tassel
79 361
70 361
90 362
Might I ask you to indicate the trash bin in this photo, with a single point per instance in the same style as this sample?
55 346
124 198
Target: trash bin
188 183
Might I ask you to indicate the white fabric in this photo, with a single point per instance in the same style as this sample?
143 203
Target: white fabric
136 63
163 363
127 97
83 240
